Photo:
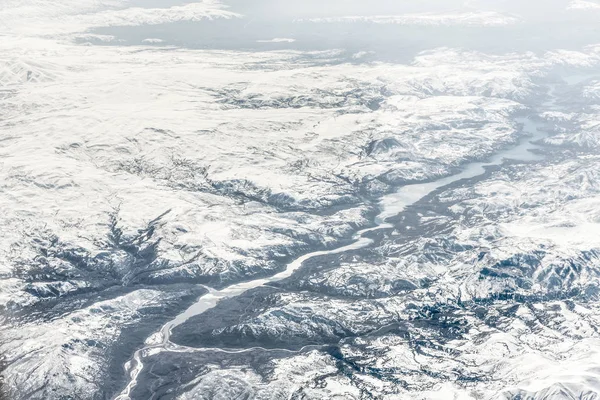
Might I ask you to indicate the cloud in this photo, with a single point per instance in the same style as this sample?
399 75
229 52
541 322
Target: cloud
39 18
277 40
449 19
583 5
153 40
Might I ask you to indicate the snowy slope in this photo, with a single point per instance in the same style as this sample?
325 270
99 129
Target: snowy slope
134 179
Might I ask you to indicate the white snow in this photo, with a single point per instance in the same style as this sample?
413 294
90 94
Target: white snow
86 130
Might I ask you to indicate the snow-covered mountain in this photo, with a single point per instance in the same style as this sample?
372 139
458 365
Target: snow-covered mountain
305 219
